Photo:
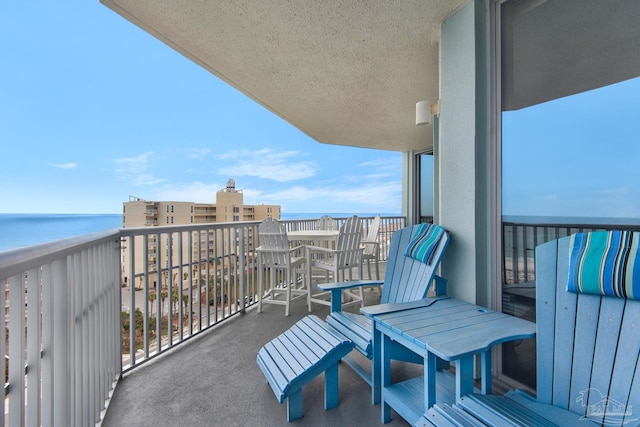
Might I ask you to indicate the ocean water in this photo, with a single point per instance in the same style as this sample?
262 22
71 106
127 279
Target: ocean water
19 230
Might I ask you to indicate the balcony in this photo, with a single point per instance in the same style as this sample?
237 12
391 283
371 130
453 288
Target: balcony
89 290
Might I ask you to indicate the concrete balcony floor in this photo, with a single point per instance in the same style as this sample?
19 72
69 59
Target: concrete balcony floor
214 380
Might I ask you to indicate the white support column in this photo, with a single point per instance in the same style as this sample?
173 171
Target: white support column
409 197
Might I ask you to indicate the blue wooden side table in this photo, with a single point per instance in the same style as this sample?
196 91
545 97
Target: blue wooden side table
449 329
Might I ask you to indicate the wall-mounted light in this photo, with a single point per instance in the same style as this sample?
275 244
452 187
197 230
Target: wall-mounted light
423 113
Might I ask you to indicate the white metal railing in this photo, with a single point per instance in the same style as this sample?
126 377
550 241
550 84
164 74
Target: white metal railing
62 329
198 275
180 280
98 296
521 235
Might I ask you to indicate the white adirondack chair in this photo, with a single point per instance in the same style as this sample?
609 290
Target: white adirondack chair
346 256
285 264
326 223
371 252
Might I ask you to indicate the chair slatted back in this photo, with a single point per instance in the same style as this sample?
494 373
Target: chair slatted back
326 223
348 249
588 346
407 279
372 236
274 244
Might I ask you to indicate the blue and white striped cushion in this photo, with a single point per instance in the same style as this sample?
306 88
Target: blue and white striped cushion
423 242
605 263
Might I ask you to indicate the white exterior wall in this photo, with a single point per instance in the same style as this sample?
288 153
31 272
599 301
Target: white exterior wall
463 197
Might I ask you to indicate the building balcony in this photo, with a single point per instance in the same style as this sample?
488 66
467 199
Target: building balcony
204 219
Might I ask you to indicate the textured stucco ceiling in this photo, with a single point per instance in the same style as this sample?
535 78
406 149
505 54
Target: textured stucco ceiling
343 71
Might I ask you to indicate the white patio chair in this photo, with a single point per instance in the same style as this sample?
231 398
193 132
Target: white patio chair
371 252
287 279
327 223
346 256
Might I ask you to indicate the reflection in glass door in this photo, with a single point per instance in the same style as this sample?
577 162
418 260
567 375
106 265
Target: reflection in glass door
568 140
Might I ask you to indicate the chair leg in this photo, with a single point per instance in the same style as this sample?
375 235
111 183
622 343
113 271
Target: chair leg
294 406
376 364
308 285
260 286
361 288
331 387
287 294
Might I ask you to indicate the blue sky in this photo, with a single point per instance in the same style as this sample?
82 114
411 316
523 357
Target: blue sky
575 156
93 110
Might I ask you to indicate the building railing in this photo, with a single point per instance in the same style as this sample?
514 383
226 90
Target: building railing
80 312
62 330
203 274
521 235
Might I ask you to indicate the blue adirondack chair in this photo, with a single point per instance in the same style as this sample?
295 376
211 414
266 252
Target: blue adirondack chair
588 341
407 280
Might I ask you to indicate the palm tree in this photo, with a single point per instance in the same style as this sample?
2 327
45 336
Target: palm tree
163 297
152 298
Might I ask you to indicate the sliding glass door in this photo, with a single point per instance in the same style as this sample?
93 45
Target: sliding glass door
570 150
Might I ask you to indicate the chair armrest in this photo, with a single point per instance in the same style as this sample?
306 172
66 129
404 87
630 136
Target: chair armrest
284 251
374 310
349 285
374 245
279 251
320 249
336 290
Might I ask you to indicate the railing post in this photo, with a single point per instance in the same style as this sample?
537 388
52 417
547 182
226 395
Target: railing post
180 289
3 346
132 301
147 307
60 344
169 289
16 350
158 293
34 332
47 343
243 250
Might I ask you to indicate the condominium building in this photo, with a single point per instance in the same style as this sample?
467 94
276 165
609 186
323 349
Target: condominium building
162 251
229 207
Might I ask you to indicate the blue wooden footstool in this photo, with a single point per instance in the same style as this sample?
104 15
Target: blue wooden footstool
297 356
